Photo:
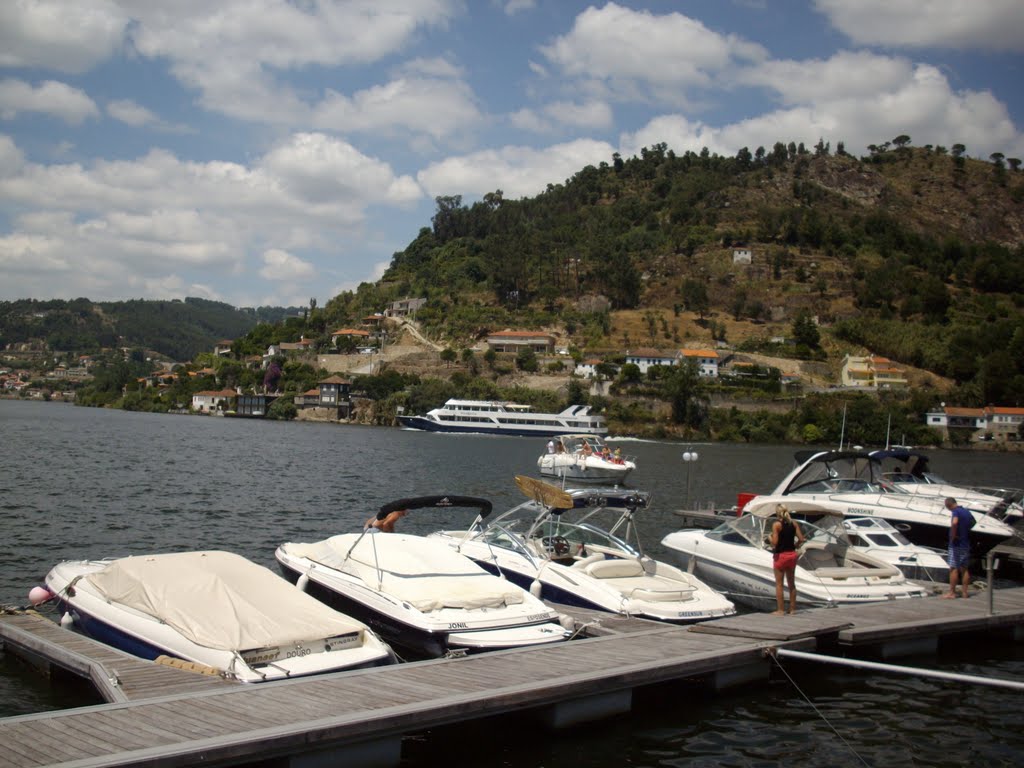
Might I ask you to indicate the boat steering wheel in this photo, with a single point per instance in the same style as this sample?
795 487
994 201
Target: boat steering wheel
556 546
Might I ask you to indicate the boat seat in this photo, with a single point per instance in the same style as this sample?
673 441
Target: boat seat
615 568
848 572
582 563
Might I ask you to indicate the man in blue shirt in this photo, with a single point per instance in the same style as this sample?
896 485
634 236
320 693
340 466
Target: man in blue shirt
960 525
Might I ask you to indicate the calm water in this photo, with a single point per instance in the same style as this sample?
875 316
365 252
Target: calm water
78 483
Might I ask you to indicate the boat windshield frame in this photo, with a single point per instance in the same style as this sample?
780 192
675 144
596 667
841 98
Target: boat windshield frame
755 531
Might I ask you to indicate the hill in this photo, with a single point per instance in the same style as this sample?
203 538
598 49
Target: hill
911 253
177 329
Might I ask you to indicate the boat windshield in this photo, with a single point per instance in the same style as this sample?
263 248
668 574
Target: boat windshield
755 531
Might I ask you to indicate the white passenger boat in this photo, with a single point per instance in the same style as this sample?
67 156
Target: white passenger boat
908 470
584 457
852 480
736 557
554 546
504 418
214 609
424 598
878 538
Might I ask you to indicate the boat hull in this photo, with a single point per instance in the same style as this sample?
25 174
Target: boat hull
426 425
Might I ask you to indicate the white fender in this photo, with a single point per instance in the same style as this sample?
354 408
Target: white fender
302 582
66 620
536 588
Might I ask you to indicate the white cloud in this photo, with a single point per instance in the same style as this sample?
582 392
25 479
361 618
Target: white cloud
922 106
435 107
130 113
280 265
589 114
517 171
979 24
512 7
64 35
50 98
845 75
234 55
117 228
637 55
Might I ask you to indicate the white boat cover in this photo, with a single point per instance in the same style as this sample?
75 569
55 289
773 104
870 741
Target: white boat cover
424 573
220 600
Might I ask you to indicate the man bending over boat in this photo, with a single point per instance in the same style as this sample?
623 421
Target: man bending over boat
387 525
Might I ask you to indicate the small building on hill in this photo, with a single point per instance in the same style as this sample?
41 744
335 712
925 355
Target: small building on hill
705 359
513 341
646 358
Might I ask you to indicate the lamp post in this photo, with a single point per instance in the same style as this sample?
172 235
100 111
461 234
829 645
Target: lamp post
689 457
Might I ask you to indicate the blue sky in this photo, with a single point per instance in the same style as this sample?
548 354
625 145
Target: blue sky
269 152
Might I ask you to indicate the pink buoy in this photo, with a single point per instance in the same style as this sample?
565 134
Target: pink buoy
39 595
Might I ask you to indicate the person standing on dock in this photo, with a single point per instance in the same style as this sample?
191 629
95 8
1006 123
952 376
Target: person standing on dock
785 538
960 525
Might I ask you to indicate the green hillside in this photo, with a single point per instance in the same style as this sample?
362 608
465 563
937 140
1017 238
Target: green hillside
914 253
178 329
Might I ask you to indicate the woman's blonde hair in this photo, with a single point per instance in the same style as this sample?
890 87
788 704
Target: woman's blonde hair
782 512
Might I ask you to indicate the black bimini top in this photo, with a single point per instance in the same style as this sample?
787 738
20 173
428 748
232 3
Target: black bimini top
436 502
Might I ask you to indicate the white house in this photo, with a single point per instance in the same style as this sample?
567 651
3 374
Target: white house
648 358
742 256
706 360
212 400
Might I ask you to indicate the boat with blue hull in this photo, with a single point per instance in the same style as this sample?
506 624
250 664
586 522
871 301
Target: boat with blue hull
214 609
492 417
424 598
558 547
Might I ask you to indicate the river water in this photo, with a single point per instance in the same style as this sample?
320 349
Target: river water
84 483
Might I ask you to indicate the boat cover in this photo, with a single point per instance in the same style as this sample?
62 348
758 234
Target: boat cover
220 600
422 572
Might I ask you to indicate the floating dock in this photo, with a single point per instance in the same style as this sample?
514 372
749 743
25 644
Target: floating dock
360 717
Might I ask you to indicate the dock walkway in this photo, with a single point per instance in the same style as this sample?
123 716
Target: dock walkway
361 716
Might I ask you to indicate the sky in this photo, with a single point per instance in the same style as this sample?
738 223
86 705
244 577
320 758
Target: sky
264 152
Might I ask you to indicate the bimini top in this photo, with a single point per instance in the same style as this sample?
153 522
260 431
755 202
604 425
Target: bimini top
436 502
219 600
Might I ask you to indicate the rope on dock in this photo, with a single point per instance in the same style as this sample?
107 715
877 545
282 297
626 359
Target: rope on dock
773 653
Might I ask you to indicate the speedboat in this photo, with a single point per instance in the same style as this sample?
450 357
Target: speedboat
908 470
736 557
214 609
504 418
553 545
880 539
421 595
584 457
852 480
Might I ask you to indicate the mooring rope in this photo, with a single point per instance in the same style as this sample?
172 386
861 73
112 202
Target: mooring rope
818 712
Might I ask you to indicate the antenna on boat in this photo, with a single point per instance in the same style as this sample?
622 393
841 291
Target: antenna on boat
888 425
842 432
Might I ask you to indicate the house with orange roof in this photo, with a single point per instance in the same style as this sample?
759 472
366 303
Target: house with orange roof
990 423
706 360
872 371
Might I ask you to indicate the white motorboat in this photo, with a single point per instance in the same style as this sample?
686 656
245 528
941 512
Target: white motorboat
908 470
736 557
504 418
570 559
214 609
878 538
584 457
852 480
423 597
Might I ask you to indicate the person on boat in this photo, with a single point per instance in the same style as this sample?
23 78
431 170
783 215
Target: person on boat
551 446
786 536
960 524
387 525
586 450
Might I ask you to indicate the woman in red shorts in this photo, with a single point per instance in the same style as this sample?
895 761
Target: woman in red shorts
786 537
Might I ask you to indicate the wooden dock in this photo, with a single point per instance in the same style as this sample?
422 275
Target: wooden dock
360 717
